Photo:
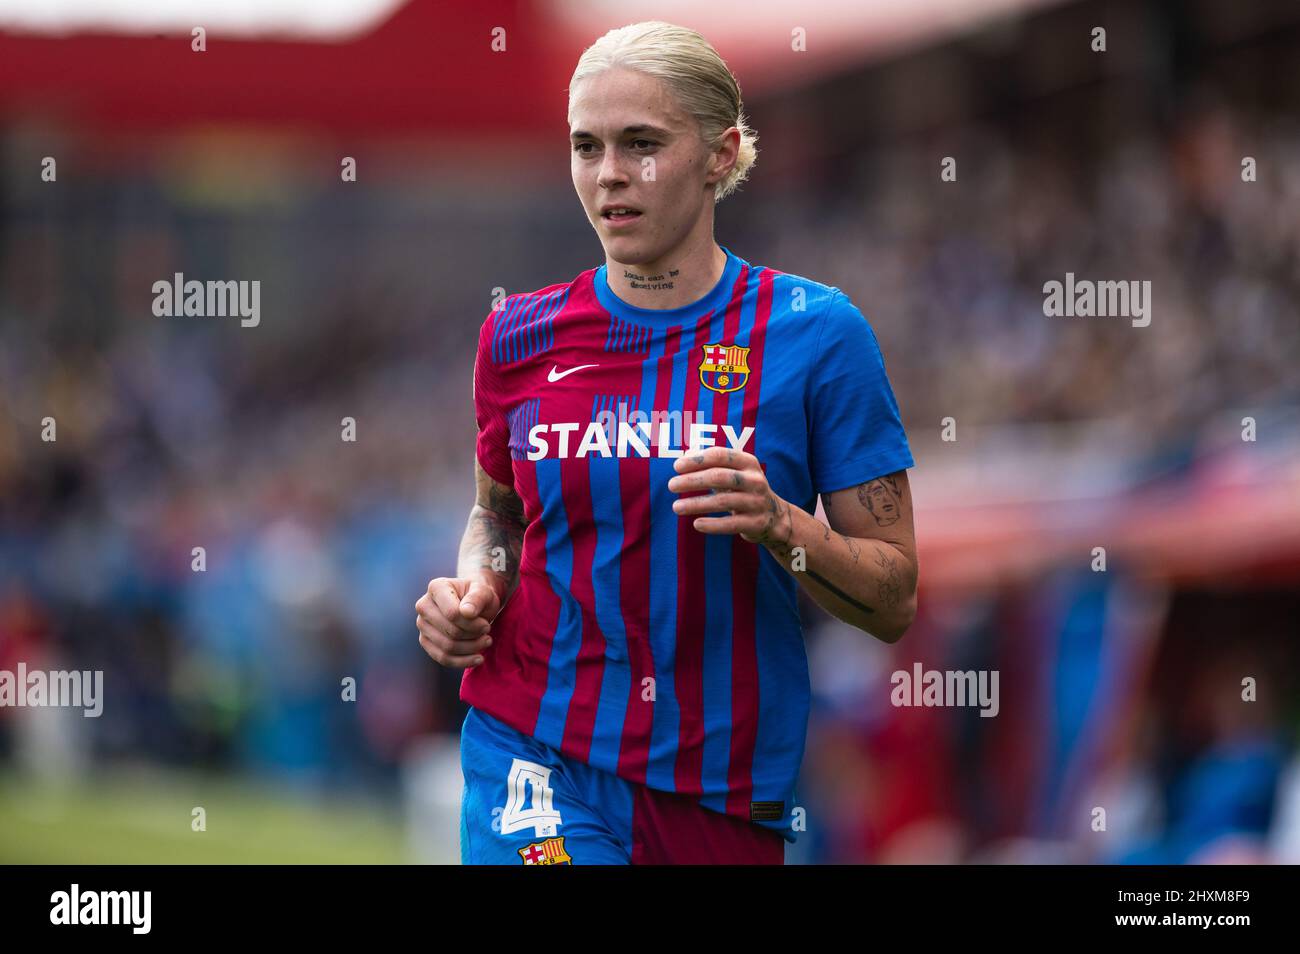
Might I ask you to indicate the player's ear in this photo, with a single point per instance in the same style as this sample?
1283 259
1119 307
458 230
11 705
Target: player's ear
725 155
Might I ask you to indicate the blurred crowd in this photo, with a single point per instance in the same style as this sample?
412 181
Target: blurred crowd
201 529
952 273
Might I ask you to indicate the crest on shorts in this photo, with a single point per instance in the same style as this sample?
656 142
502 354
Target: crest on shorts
548 852
724 367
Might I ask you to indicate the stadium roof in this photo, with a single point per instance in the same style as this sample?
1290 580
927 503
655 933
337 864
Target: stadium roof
388 66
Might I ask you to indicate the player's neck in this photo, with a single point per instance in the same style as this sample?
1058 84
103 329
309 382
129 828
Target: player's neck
683 276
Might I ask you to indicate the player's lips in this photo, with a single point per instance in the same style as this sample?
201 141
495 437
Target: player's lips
616 215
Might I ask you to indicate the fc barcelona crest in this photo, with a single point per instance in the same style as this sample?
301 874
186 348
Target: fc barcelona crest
724 368
548 852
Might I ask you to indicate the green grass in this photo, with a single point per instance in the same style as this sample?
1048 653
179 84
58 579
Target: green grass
145 818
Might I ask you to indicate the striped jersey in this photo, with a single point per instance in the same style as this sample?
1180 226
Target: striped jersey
634 642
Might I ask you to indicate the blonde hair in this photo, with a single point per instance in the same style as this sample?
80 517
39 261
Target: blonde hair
694 72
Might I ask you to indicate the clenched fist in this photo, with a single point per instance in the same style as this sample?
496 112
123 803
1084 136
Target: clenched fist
454 619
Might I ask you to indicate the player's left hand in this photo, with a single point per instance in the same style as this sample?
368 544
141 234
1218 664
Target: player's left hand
727 480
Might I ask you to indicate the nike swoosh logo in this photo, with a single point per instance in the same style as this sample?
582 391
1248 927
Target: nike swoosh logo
555 374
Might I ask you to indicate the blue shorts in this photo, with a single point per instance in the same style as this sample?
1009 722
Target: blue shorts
526 803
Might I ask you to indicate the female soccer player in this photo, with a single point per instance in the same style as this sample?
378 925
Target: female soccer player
652 439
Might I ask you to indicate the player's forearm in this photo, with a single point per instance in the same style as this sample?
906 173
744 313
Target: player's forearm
490 550
870 584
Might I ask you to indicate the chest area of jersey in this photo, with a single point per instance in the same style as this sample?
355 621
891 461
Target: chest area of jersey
658 397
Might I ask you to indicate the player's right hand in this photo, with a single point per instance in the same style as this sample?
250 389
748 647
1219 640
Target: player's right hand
453 618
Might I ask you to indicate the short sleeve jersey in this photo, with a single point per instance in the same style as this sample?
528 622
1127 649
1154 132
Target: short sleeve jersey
634 642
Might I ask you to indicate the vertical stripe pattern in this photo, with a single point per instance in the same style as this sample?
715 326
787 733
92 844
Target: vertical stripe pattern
635 642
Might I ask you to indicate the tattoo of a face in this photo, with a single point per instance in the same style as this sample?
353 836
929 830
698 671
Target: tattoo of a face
881 497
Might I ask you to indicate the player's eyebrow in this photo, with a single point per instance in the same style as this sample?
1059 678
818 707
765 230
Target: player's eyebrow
627 131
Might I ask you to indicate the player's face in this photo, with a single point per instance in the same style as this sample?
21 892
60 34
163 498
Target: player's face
632 144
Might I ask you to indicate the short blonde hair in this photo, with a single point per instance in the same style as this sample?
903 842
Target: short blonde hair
690 67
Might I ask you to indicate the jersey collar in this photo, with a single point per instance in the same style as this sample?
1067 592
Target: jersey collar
712 300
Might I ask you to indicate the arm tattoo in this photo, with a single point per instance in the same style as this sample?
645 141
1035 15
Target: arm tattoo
489 531
506 502
840 593
890 588
494 539
778 510
882 498
784 549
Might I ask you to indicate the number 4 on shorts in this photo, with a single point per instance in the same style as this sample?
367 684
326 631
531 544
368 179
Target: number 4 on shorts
520 813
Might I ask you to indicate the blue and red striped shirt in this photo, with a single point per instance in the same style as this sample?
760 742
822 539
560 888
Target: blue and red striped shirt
634 642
